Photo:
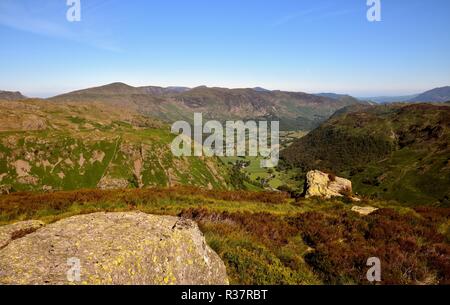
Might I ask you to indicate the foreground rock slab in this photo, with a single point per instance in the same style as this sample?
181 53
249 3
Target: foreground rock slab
112 248
18 230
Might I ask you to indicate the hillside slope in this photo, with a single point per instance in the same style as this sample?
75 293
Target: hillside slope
437 95
398 152
295 110
48 146
267 239
11 96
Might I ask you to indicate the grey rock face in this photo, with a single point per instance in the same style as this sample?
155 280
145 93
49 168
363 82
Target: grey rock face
18 230
112 248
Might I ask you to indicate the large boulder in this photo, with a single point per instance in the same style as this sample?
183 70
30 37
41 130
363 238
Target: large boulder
112 248
320 184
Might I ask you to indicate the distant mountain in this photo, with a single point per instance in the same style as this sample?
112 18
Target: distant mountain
334 96
344 98
391 99
397 151
162 91
259 89
121 89
437 95
294 110
11 96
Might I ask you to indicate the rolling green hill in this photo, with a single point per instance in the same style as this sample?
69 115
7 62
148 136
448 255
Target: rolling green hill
48 146
398 152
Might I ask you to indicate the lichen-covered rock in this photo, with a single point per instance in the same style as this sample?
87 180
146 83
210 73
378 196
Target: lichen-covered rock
107 183
364 211
11 232
113 248
319 184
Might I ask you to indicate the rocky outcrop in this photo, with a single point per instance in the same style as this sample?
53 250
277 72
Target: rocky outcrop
5 189
319 184
107 183
364 211
112 248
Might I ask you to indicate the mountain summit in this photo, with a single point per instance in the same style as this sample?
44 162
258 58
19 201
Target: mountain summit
11 96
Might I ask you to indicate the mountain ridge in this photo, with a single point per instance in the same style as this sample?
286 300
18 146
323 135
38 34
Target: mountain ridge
295 110
436 95
11 95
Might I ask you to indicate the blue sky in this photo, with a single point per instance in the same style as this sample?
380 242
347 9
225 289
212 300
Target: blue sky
298 45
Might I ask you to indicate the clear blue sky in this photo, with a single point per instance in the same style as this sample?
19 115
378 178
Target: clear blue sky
298 45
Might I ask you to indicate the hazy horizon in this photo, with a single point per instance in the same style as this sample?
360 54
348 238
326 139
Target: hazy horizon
309 46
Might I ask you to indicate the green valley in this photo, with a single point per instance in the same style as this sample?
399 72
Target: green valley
397 152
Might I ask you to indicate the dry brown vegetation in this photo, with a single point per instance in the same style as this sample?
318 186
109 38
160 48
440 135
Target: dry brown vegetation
266 238
411 249
28 203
